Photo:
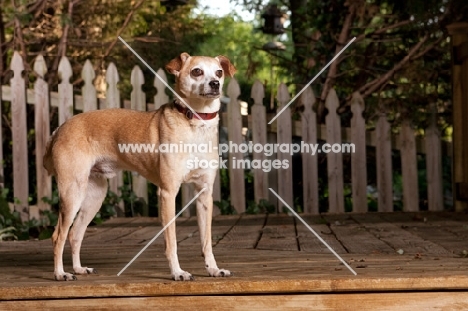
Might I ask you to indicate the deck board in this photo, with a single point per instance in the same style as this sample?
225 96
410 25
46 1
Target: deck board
263 252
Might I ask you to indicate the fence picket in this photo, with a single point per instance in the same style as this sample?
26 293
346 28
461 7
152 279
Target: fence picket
138 102
334 159
161 97
113 101
19 137
88 90
384 164
309 162
42 128
434 165
409 168
259 133
65 90
236 175
284 134
358 158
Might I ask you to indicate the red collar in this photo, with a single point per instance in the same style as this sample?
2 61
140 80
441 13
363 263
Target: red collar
199 115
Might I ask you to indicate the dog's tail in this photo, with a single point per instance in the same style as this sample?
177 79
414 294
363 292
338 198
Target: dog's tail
48 158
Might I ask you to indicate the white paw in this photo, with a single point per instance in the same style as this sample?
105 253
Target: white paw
182 276
215 272
85 270
65 277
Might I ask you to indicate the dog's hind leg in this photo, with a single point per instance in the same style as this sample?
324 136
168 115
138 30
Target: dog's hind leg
71 191
95 194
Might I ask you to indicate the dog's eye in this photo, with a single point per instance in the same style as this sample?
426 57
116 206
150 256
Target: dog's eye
197 72
219 73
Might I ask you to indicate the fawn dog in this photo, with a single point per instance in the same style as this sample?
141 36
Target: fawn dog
83 152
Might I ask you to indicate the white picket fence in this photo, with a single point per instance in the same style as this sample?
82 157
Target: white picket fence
284 127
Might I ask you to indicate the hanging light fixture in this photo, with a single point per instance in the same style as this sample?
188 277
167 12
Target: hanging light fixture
273 20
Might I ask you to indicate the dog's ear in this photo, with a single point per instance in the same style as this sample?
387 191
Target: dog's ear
175 65
228 68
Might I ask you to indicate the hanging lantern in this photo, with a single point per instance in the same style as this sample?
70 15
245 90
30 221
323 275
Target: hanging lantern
273 20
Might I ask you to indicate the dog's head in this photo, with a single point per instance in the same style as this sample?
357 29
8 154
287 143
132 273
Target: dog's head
200 76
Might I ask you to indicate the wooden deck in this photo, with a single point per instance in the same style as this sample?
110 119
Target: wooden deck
278 264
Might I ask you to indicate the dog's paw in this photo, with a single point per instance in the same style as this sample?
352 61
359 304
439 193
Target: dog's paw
85 270
65 277
215 272
182 276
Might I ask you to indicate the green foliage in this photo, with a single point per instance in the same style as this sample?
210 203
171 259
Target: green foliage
10 221
225 207
263 206
107 209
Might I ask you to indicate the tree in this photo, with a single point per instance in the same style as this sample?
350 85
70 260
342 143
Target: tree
400 57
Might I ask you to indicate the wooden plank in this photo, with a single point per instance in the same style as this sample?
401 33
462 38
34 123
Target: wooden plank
236 175
355 238
334 159
309 162
138 102
384 164
358 158
88 90
273 174
398 238
308 242
188 192
374 301
435 198
113 101
19 130
65 90
220 228
245 234
42 128
429 230
118 230
259 136
161 97
279 234
409 168
284 136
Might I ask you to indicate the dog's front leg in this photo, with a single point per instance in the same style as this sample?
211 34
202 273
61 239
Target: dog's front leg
204 215
167 206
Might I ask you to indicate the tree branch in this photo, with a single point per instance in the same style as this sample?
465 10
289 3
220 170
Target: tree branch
62 46
119 32
382 30
343 37
370 87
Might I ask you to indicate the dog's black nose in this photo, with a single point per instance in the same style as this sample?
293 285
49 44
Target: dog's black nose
214 84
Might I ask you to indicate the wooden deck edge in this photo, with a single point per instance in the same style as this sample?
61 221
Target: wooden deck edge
321 302
235 287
